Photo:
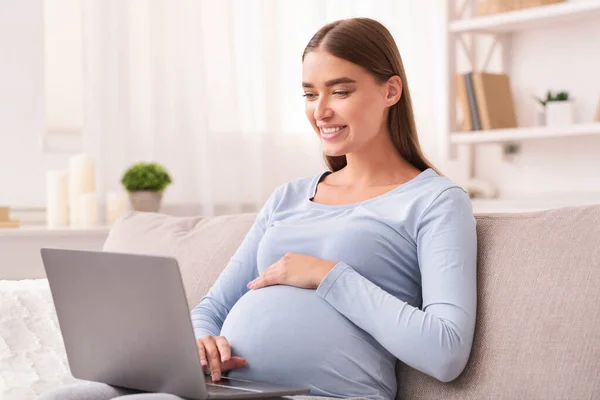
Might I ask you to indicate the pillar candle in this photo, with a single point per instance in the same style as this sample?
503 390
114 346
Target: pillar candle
81 180
117 203
57 200
87 210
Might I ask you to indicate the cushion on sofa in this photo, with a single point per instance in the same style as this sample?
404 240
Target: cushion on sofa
202 246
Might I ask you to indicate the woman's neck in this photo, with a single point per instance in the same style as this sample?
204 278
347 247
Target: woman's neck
377 164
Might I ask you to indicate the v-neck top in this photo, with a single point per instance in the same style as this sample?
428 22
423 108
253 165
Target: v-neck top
403 288
319 178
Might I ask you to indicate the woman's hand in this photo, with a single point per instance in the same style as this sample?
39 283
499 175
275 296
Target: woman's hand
294 270
215 356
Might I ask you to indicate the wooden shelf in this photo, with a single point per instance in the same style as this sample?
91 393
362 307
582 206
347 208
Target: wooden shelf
41 230
530 18
523 134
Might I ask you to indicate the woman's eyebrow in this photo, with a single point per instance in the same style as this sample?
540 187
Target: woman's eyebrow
331 82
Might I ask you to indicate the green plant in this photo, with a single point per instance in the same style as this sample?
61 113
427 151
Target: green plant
146 176
559 96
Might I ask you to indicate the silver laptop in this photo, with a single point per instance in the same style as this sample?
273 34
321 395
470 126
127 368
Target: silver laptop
125 321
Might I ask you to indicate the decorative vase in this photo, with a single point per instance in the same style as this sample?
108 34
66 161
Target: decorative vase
145 200
559 113
540 118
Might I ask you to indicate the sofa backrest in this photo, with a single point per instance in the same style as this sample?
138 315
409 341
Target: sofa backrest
538 323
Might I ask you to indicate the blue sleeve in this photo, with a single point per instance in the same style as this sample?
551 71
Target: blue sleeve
208 316
437 338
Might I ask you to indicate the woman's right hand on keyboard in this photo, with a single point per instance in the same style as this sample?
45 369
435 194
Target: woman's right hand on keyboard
215 355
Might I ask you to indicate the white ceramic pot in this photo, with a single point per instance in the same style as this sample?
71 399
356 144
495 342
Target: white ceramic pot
540 118
145 200
559 113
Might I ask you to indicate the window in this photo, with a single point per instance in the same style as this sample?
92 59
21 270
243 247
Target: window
63 76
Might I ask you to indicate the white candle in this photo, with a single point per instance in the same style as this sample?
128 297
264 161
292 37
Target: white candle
87 210
81 180
117 203
57 200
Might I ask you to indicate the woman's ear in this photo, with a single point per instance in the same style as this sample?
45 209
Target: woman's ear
394 90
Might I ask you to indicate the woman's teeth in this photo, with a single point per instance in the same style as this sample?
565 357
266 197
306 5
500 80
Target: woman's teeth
331 133
332 130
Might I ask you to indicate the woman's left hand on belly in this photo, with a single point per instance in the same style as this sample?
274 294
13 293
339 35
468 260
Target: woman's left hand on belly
294 269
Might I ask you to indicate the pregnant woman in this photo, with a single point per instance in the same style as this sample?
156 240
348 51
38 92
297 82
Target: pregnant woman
345 273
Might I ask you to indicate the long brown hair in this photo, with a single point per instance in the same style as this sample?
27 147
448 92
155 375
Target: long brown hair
367 43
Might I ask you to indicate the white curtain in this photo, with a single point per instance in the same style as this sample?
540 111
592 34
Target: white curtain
211 89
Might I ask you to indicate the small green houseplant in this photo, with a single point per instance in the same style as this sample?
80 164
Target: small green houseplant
558 108
559 96
145 183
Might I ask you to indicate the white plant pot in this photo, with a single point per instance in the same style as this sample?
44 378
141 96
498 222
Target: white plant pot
145 200
559 113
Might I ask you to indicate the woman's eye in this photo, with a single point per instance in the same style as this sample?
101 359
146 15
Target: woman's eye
309 96
341 93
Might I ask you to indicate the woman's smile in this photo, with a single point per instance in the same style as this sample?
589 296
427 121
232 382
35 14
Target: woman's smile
331 132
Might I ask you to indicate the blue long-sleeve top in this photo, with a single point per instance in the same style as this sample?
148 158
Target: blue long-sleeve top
404 287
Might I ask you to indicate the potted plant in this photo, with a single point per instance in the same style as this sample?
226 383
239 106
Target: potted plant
145 183
558 108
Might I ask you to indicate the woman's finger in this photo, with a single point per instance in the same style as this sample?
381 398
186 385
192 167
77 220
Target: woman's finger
233 363
202 353
224 348
251 284
213 356
265 279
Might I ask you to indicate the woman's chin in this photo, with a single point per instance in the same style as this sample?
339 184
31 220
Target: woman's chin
334 151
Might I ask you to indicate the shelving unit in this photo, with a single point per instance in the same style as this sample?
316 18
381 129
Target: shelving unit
20 247
43 231
463 28
523 134
531 18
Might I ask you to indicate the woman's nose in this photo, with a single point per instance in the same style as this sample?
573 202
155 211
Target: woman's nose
322 110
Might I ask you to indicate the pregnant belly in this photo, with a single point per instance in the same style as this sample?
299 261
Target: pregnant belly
292 336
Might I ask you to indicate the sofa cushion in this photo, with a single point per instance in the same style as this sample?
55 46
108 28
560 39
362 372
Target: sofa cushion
202 246
538 324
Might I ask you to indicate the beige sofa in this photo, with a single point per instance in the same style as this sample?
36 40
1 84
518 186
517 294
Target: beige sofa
538 327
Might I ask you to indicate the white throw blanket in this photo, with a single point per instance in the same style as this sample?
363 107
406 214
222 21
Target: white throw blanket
32 353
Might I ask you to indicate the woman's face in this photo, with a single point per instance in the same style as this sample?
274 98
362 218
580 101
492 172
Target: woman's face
345 105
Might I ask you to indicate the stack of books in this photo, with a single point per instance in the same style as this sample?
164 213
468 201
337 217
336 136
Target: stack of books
487 7
486 101
5 221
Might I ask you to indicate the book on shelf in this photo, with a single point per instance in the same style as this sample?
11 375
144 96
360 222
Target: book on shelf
490 7
463 102
486 101
10 224
474 109
5 221
4 213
